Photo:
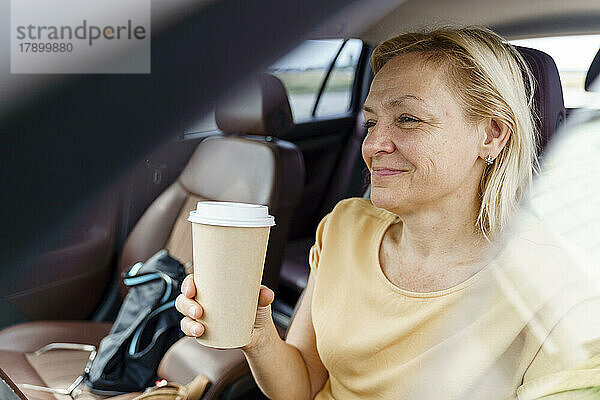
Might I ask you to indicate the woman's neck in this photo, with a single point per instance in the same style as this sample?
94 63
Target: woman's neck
443 234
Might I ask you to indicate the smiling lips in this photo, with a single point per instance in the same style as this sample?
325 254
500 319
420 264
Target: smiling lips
384 171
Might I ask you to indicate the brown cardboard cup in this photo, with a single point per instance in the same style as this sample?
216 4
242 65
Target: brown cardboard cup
229 247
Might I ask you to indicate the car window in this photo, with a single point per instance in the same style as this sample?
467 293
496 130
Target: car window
303 72
573 56
337 95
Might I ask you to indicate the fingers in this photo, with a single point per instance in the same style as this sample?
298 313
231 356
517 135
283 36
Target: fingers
191 327
185 304
263 311
265 297
188 307
188 289
263 315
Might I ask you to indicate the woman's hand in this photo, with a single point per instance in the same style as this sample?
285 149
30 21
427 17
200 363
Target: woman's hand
188 306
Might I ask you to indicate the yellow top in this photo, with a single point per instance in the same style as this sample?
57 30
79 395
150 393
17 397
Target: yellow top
481 339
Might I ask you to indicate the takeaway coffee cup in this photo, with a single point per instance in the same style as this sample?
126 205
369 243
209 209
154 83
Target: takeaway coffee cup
229 247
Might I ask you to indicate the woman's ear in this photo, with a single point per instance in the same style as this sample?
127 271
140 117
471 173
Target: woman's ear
496 135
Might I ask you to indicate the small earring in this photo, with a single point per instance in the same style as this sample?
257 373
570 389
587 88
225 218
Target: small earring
489 160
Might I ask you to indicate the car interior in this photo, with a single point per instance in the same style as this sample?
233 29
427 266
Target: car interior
288 136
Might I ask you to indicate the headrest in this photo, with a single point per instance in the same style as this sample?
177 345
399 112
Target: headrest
592 74
259 107
548 96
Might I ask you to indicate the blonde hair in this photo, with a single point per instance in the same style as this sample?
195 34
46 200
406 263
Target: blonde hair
492 81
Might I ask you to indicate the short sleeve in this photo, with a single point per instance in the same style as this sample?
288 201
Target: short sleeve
314 256
552 375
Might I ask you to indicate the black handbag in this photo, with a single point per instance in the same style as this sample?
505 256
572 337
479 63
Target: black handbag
146 326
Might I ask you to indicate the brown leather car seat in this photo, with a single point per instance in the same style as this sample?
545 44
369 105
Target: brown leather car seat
247 164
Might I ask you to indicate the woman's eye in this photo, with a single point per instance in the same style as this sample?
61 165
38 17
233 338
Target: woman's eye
408 119
368 124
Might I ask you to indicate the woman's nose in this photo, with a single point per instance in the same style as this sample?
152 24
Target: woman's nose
378 141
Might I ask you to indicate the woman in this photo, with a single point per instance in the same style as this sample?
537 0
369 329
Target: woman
410 296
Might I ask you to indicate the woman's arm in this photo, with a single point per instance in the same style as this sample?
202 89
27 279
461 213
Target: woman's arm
571 370
301 334
290 369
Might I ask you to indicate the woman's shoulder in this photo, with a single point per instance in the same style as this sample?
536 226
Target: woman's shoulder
531 241
358 206
352 224
554 283
544 266
352 218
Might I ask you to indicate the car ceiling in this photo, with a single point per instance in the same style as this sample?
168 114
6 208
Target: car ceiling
375 21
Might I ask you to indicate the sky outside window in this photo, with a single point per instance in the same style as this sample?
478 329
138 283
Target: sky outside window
573 56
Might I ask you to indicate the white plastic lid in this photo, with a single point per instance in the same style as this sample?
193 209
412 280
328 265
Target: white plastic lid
223 213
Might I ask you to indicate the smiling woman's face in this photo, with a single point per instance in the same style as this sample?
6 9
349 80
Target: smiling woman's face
420 149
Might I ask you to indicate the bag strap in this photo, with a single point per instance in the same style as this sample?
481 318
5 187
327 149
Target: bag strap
175 391
133 345
141 279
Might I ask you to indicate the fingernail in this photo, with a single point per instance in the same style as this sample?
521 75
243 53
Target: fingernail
194 311
196 330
